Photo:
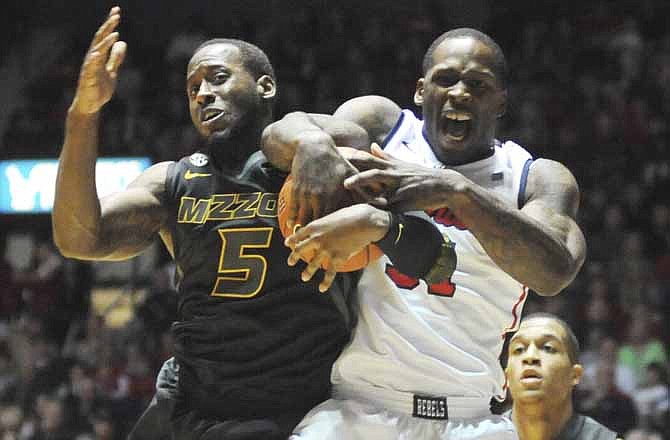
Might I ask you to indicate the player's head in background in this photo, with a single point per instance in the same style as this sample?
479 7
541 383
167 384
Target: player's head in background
462 93
231 91
543 369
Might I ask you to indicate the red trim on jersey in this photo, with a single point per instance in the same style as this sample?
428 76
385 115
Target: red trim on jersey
513 327
515 314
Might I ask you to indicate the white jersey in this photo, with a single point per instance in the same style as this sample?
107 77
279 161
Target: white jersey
440 340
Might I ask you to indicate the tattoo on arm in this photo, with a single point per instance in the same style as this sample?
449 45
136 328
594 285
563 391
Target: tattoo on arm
539 245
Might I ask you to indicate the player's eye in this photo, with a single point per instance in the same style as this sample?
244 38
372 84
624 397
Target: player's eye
475 83
193 91
445 79
220 77
549 348
518 349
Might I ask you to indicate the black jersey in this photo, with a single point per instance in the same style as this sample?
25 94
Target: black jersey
581 427
252 339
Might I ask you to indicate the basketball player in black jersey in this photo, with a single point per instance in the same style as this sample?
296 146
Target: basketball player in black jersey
542 371
254 344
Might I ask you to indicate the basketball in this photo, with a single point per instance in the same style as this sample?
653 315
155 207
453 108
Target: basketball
356 262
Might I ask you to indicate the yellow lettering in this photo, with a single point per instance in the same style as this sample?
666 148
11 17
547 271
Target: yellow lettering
192 210
267 207
220 207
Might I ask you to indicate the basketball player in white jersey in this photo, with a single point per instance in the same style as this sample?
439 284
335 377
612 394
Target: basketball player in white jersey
423 362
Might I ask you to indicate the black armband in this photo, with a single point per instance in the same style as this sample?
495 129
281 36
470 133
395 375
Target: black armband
414 246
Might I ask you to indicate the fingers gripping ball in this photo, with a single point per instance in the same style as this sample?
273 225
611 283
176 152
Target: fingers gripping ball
356 262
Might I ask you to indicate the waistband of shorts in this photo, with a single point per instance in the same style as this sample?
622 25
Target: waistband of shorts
404 403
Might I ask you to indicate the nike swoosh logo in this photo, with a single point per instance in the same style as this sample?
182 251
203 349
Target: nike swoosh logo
189 175
397 239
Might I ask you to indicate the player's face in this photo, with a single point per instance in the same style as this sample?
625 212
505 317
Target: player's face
539 367
461 99
222 95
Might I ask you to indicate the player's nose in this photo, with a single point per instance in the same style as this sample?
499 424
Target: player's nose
459 93
205 95
531 356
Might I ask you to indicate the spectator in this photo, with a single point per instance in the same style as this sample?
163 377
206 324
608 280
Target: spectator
43 287
607 404
652 399
11 418
643 434
51 422
103 424
624 376
642 347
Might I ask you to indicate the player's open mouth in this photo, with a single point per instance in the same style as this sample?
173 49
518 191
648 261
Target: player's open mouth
211 114
456 125
530 377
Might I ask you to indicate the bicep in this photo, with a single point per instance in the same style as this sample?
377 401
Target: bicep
345 133
553 201
130 220
375 114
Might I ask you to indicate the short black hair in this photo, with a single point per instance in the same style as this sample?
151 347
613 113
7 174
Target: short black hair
572 343
253 57
499 61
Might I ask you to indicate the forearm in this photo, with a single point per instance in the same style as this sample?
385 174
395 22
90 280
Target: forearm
533 253
283 139
76 211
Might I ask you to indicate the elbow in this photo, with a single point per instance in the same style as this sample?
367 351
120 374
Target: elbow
558 279
277 151
60 240
65 246
71 245
563 269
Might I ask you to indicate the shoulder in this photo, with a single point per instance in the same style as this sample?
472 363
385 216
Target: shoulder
153 178
594 430
553 182
376 114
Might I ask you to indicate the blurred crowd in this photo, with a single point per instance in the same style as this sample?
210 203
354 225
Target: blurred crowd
589 86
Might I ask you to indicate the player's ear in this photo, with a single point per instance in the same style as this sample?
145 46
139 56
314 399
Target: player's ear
577 372
502 103
266 87
418 93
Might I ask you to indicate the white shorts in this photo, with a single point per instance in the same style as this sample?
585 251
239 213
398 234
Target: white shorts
359 419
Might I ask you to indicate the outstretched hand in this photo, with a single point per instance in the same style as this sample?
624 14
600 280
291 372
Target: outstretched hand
401 186
99 71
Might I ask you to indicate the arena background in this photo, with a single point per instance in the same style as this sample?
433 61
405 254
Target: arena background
80 343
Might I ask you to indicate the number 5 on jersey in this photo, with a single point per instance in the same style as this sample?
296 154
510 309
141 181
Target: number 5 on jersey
241 272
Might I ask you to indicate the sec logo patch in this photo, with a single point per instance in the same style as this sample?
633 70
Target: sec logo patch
199 159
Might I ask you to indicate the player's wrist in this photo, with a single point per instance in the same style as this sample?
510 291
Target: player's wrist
381 222
453 187
392 229
400 244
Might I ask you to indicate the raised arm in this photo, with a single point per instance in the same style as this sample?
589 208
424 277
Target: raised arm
539 245
120 225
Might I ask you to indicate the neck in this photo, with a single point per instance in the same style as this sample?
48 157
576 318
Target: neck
478 154
232 151
472 154
537 421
